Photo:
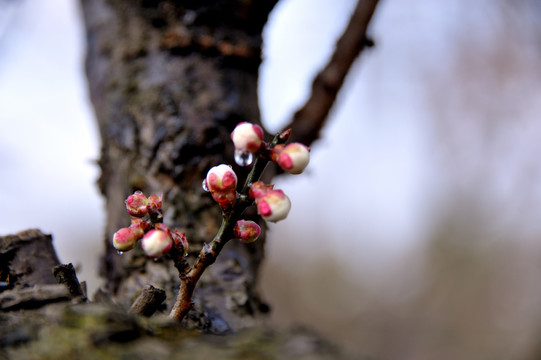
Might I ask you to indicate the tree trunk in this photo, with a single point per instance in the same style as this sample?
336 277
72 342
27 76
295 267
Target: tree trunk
169 80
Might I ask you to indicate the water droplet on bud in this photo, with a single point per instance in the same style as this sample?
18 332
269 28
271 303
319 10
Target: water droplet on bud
205 186
120 252
155 259
243 158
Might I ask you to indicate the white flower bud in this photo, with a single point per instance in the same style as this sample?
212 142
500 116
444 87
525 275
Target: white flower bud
273 206
156 243
247 137
294 158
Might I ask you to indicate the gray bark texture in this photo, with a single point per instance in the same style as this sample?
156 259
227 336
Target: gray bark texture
169 80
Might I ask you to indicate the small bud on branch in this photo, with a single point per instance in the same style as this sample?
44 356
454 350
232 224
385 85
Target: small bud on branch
247 231
156 243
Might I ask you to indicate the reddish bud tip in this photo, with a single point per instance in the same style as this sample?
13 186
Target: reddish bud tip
259 189
273 206
154 203
139 227
136 204
246 231
180 242
293 158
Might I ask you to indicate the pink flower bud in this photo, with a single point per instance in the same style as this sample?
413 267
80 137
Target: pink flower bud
259 189
247 137
273 206
221 178
136 204
139 227
156 243
293 158
222 183
125 239
247 231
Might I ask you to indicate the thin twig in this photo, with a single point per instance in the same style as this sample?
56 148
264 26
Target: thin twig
308 121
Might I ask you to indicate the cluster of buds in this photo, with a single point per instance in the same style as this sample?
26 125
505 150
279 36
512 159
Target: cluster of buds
157 239
248 140
221 181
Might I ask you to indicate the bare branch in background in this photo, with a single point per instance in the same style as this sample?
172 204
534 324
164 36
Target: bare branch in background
309 120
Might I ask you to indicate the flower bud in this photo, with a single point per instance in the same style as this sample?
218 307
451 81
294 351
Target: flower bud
139 227
154 204
273 206
247 137
293 158
246 231
136 204
156 243
180 242
222 183
259 189
221 178
125 239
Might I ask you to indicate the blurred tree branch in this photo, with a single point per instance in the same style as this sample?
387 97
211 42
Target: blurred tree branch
308 121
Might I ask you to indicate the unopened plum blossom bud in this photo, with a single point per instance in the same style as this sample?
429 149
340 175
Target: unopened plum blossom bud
136 204
259 189
139 227
125 239
156 243
246 231
180 242
247 137
273 206
221 181
154 203
293 158
221 178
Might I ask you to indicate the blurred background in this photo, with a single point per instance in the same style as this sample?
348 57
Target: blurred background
415 233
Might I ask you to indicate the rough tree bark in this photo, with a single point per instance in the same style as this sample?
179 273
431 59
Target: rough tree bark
169 80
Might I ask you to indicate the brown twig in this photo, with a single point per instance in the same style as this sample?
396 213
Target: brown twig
308 121
148 301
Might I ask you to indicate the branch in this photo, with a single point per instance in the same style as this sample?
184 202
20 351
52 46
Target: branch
308 121
148 301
